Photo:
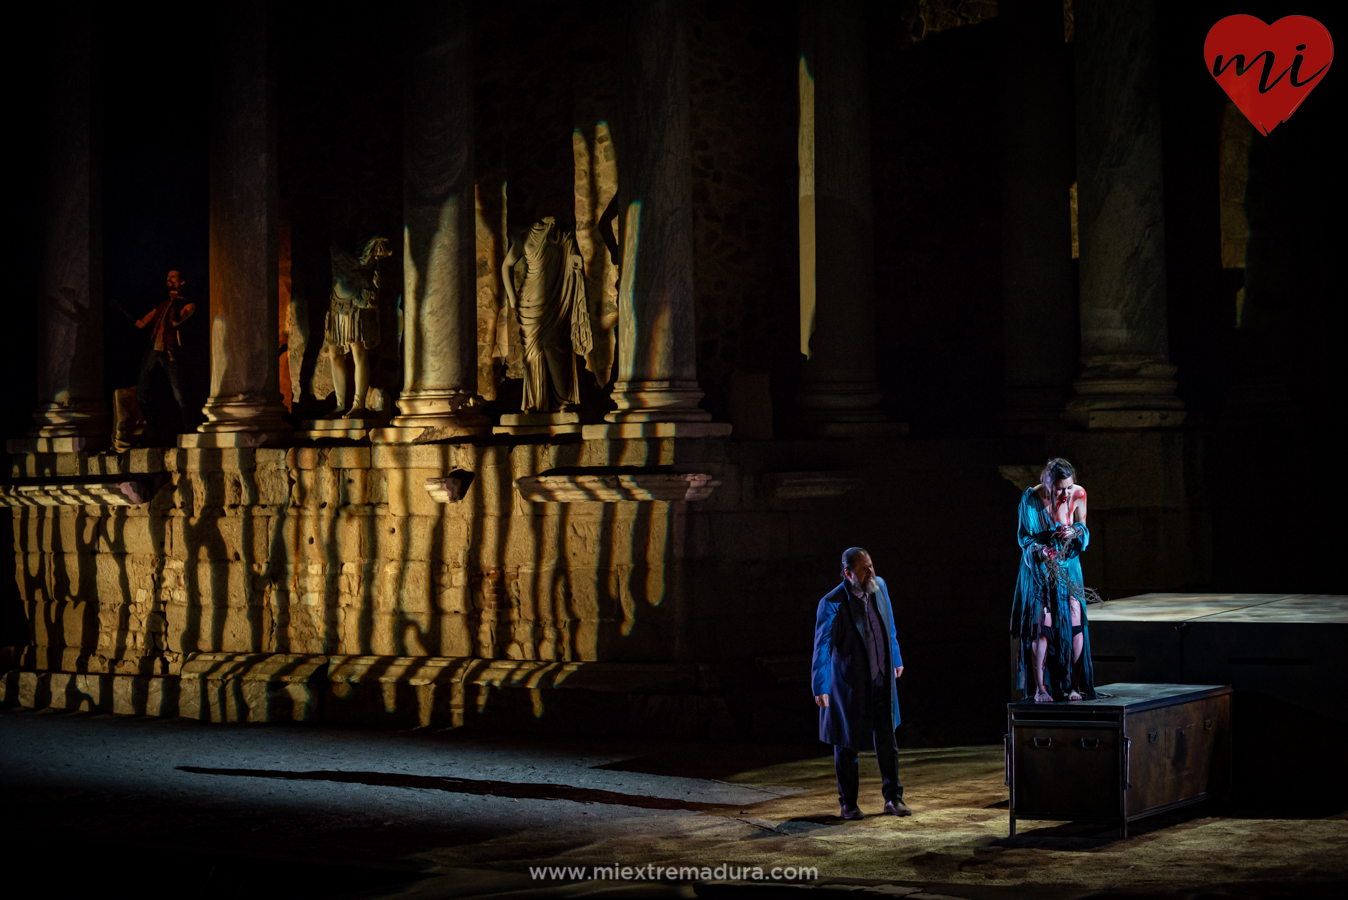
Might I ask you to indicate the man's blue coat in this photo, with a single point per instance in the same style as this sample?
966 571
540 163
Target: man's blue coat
842 670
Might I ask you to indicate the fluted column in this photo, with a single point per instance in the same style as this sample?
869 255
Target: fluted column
439 397
656 390
1039 292
839 395
244 407
1128 381
72 413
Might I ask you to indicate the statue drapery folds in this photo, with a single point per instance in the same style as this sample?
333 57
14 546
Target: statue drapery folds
553 312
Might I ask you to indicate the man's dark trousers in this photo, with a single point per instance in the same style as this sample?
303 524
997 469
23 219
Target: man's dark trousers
144 395
886 752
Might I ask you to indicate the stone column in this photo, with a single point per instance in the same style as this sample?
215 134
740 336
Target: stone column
244 408
439 398
1039 290
1257 395
1128 381
839 395
72 413
656 388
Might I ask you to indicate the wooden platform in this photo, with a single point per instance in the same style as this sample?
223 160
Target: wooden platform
1138 750
1290 647
1308 609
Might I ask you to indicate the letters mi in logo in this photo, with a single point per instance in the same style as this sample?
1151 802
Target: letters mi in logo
1268 70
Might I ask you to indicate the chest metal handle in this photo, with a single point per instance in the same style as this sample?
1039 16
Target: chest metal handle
1047 741
1152 736
1090 743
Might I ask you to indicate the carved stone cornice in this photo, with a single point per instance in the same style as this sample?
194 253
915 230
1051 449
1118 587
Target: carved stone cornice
615 487
110 492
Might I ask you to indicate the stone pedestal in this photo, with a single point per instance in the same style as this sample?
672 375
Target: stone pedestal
337 429
839 395
439 397
1128 381
657 367
244 408
71 412
538 423
1038 275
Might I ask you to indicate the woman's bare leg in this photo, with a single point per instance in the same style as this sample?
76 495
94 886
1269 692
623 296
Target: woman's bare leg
1078 641
1040 653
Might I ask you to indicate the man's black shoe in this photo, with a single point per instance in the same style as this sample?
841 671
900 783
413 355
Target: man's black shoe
851 812
897 808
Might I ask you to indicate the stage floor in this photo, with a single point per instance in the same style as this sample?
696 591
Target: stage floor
1308 609
316 811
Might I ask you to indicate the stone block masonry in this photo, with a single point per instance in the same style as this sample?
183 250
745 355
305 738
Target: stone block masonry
328 583
337 550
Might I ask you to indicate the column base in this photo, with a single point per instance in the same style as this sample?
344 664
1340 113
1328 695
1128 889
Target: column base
1125 392
65 428
431 416
847 409
239 413
657 401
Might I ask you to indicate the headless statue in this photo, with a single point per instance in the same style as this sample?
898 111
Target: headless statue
553 315
353 319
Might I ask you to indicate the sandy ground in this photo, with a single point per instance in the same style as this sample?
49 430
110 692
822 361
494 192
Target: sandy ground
255 811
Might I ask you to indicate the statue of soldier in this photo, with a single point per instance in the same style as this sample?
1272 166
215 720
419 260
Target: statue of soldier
553 315
353 319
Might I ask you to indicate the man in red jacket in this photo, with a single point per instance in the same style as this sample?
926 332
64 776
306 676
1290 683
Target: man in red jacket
163 322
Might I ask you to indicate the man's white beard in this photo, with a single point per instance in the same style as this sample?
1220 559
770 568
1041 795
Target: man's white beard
871 586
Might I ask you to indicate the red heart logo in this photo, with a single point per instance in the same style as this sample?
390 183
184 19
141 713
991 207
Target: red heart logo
1267 70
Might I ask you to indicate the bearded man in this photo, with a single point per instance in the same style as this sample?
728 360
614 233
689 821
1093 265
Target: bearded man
854 677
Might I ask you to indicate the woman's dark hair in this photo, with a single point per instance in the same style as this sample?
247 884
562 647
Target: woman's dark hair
1054 471
849 558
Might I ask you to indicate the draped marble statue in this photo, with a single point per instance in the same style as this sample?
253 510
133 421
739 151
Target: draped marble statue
353 319
553 315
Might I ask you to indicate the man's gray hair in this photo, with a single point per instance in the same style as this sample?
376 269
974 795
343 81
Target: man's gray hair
849 557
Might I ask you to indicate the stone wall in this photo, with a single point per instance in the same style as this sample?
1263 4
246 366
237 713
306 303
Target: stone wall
340 550
332 582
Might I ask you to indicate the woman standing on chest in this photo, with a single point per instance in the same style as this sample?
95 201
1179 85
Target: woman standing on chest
1048 614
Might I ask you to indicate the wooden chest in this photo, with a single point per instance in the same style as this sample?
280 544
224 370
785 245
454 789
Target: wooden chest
1141 750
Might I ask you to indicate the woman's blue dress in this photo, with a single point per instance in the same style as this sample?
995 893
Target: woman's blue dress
1035 590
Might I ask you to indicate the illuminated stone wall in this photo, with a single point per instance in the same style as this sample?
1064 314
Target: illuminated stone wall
323 551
